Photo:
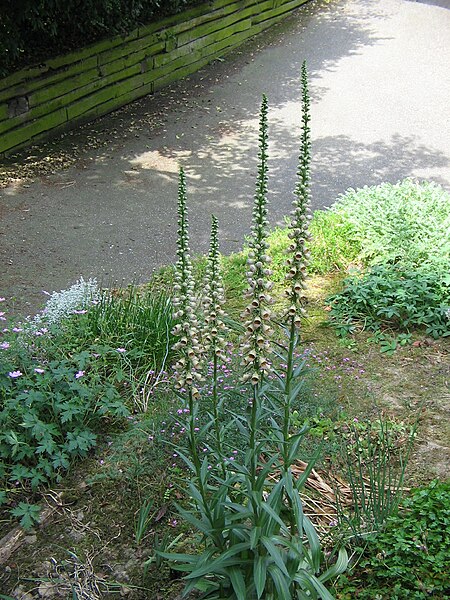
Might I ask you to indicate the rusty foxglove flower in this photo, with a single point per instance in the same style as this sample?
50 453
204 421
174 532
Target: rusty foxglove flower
214 328
187 368
256 340
300 216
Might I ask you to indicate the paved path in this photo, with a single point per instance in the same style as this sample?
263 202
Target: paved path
380 85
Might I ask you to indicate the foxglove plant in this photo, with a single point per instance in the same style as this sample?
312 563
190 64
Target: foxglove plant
297 263
188 346
256 541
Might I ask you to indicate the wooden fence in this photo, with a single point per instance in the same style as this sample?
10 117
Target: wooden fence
100 78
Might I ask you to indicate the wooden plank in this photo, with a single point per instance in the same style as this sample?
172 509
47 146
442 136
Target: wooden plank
67 99
47 79
144 55
3 112
150 43
217 12
125 76
208 28
178 57
117 102
86 103
280 10
22 134
210 54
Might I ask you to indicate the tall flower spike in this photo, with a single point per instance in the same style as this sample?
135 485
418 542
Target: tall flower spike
255 344
213 298
188 345
300 215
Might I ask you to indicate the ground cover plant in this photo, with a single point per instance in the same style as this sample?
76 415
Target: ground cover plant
410 558
87 359
205 481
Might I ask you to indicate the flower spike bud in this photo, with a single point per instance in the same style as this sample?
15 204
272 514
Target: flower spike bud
214 328
255 345
300 215
184 300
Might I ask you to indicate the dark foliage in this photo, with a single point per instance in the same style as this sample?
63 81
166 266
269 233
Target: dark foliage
34 30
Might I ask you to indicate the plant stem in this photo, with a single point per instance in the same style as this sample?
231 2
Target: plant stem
215 399
287 398
252 445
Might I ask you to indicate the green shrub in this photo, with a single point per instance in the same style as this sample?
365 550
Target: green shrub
407 222
394 297
410 558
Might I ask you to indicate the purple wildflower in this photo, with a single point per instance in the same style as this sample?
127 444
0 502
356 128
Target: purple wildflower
15 374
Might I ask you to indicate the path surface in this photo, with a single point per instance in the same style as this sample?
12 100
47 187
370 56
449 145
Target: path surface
380 86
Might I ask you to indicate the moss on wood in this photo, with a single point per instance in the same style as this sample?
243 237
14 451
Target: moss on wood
106 75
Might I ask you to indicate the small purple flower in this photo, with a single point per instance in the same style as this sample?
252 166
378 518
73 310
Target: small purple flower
79 312
15 374
2 299
17 329
39 370
5 345
121 350
2 317
79 374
